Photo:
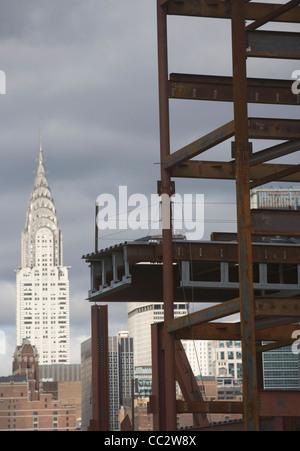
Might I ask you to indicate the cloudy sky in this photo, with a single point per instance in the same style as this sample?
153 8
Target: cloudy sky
88 68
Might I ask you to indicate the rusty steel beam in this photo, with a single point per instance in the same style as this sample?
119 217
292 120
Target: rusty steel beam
158 397
221 170
220 10
166 192
274 152
200 145
279 403
273 403
277 307
273 44
210 407
232 331
204 316
258 128
276 222
242 168
100 368
275 345
217 88
226 251
285 307
273 15
294 169
281 129
188 383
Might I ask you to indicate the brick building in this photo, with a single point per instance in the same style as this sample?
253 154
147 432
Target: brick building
23 406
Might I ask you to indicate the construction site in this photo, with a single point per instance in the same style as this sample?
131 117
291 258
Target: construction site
254 273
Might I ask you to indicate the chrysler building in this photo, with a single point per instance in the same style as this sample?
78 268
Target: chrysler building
42 280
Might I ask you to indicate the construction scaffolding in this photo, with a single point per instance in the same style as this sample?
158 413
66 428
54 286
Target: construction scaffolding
239 280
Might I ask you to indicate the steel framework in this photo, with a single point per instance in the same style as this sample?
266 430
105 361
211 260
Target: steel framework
247 41
245 274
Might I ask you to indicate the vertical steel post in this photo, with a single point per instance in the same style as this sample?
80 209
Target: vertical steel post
100 370
166 192
158 397
242 154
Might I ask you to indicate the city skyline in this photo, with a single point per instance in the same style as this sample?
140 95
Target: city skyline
94 83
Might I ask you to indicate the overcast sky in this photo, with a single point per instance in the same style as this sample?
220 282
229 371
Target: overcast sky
89 69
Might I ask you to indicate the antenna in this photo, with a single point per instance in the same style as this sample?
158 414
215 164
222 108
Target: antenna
40 131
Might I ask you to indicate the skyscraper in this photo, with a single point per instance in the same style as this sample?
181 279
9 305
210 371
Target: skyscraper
140 317
121 373
42 280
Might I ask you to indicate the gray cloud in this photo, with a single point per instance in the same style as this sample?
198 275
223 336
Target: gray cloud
89 67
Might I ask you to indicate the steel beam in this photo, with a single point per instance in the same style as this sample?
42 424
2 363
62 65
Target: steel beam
273 403
277 307
242 150
273 15
263 128
276 222
232 331
273 44
200 145
158 397
210 407
258 128
166 192
220 10
274 152
275 345
220 170
188 383
294 169
217 88
285 307
285 403
100 368
204 316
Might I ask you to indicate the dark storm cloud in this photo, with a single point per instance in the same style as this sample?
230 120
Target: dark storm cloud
89 68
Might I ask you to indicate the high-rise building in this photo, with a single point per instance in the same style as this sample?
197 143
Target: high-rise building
276 198
227 359
281 369
42 280
86 384
121 374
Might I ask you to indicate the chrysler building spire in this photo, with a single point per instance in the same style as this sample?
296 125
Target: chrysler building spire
42 280
41 213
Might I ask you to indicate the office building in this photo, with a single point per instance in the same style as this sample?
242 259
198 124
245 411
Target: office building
86 384
121 375
42 280
227 359
276 198
23 406
281 369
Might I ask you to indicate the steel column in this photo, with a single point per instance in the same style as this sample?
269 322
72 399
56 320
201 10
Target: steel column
166 192
100 378
242 149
